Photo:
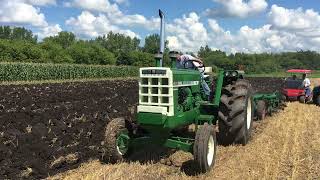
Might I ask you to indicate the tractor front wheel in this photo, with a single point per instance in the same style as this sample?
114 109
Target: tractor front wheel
116 141
302 99
205 147
261 110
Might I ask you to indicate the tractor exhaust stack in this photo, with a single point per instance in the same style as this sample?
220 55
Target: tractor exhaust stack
162 36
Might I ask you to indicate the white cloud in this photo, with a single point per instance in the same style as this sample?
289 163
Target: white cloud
24 12
111 18
17 12
94 5
304 23
125 2
35 2
188 31
40 2
88 25
49 31
174 43
237 8
134 20
287 30
263 39
114 15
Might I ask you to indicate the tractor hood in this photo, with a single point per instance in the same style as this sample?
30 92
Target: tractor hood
157 86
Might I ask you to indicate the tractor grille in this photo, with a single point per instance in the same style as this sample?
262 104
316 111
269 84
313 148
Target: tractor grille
156 91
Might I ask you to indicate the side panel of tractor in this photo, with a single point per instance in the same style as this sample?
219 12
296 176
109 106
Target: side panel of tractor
170 100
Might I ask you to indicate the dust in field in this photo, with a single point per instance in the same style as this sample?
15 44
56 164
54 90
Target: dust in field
285 146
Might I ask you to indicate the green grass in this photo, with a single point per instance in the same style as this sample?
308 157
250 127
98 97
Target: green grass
10 72
33 73
6 83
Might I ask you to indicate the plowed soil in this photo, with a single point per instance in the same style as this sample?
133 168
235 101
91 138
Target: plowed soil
40 125
47 129
285 146
266 85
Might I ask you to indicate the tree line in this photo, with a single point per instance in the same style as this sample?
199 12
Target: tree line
21 45
261 63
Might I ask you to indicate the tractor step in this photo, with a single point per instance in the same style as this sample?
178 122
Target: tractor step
206 103
205 118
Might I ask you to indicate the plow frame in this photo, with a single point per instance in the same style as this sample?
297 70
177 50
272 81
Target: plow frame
273 101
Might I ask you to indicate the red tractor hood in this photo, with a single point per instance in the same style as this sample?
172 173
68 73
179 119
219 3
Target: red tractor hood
293 92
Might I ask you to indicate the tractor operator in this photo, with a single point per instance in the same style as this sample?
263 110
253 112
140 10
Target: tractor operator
186 61
306 84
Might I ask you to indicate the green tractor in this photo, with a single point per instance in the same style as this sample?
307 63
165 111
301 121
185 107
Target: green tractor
171 99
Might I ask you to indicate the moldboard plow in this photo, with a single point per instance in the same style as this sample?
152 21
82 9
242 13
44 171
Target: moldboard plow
267 104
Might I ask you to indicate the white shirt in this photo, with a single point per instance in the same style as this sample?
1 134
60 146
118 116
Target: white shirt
306 82
187 57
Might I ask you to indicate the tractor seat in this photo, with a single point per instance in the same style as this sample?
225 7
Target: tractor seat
207 72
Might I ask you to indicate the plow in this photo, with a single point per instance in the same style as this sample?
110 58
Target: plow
267 104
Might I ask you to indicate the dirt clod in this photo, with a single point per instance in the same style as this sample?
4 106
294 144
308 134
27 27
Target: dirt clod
42 124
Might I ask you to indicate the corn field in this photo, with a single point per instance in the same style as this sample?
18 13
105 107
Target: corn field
38 71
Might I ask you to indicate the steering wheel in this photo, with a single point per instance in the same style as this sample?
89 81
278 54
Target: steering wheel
196 68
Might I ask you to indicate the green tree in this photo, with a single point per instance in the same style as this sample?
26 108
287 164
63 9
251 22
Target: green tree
152 44
65 39
204 51
21 51
83 52
56 53
17 33
138 58
118 43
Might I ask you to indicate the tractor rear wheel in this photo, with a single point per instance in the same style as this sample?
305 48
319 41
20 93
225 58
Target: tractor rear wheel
283 98
235 113
261 110
116 141
205 147
317 100
302 99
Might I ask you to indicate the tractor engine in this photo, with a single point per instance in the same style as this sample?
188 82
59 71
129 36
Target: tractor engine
168 91
185 99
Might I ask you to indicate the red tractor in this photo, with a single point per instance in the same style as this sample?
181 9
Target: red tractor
293 87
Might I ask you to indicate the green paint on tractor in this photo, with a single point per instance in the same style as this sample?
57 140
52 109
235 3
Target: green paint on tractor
267 103
172 100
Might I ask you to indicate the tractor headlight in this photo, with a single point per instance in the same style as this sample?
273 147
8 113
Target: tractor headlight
234 73
226 74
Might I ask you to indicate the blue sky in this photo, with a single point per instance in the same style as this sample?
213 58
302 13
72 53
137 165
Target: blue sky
230 25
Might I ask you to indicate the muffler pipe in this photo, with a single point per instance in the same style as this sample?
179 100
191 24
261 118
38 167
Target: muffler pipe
162 36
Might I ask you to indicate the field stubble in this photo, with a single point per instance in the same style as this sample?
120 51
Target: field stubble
285 146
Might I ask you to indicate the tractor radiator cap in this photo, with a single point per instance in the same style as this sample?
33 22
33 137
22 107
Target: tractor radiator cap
173 54
158 55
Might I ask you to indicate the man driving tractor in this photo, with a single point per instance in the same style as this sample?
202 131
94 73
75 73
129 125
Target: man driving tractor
186 61
306 84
